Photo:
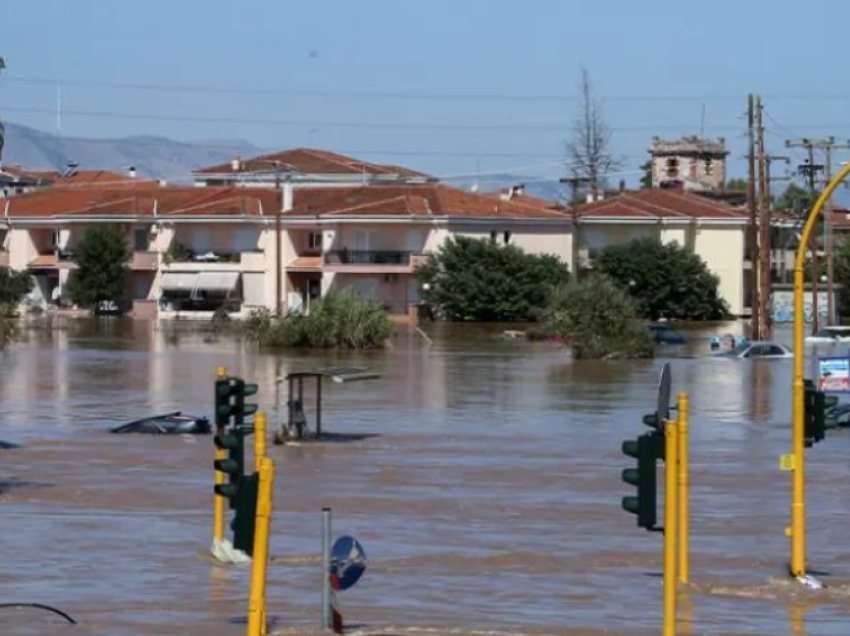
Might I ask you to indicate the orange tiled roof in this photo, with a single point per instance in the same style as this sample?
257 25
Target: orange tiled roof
425 200
659 204
308 161
144 199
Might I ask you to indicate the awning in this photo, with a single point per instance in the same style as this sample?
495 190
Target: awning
179 281
218 281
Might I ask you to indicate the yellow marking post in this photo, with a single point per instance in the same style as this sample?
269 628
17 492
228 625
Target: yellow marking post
260 561
684 487
259 440
671 444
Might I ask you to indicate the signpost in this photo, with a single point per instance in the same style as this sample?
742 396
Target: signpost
344 565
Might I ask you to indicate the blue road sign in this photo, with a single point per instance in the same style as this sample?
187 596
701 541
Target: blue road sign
348 563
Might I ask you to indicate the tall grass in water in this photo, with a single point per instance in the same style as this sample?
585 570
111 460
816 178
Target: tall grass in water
343 319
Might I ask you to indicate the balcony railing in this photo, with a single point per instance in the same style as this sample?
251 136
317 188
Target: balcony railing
367 257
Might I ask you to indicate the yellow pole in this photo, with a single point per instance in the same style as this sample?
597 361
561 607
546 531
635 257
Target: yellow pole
798 496
684 494
260 561
259 440
219 478
671 442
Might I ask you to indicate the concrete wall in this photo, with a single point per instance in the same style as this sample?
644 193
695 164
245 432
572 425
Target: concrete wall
722 248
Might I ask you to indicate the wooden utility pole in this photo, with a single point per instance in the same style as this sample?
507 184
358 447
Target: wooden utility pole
810 170
764 231
755 260
829 238
778 259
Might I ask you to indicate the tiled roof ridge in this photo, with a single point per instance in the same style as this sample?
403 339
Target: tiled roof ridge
371 204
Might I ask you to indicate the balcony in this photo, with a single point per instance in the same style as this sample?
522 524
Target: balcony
369 261
253 261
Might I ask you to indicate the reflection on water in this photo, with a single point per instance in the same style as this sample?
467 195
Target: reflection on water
488 497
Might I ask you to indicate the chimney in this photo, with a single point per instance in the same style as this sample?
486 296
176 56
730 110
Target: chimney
131 172
236 164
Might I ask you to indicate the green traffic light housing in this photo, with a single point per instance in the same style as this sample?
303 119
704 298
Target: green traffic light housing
815 406
647 449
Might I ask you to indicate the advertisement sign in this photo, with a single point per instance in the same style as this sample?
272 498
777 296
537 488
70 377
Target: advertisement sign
834 375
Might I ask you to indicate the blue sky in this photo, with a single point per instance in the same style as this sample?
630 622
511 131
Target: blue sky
448 86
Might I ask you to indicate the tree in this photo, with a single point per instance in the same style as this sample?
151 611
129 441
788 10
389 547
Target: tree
14 287
796 200
101 275
646 175
474 279
736 185
665 280
599 319
589 149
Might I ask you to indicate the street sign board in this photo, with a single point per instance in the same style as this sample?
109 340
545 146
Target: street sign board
348 563
665 383
834 374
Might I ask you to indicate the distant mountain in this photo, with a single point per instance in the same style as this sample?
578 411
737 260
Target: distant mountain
155 157
549 189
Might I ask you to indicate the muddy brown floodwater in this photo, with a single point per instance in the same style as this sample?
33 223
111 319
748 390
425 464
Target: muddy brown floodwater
488 500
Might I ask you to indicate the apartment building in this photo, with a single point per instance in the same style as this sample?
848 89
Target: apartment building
197 249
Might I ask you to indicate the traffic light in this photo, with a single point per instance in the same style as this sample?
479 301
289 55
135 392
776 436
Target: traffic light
815 405
224 390
241 409
647 450
232 441
246 512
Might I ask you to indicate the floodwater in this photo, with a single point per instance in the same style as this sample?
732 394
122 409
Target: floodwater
488 500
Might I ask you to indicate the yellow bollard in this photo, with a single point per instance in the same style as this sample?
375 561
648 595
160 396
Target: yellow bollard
219 479
684 494
260 561
259 440
671 443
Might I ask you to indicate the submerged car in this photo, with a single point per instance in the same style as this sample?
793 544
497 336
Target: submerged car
758 349
664 335
830 335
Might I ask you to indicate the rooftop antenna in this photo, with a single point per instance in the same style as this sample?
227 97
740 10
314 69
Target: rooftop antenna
702 122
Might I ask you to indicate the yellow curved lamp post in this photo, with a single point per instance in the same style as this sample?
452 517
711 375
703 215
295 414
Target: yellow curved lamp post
798 497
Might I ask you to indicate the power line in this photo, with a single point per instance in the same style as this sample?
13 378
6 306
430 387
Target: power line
404 95
523 128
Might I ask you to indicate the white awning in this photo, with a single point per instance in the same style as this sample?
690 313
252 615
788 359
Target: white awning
179 281
218 281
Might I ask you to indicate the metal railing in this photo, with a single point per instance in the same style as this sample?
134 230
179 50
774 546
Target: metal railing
367 257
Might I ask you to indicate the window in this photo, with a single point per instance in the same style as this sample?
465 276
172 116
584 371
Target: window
672 167
314 241
141 240
709 166
363 240
201 241
245 240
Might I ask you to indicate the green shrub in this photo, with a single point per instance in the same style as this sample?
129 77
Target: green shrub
664 279
342 319
475 279
599 319
102 267
14 287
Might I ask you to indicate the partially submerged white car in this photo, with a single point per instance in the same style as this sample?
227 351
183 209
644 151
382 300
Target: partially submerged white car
830 335
760 350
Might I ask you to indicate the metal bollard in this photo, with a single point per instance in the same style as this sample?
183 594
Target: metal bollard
259 439
671 438
684 495
326 568
219 478
260 562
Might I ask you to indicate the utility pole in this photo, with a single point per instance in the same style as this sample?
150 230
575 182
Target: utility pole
764 229
574 182
2 128
809 170
755 260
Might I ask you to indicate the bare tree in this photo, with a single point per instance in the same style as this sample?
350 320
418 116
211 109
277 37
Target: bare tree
589 150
